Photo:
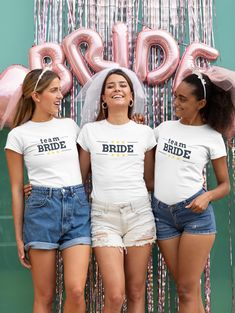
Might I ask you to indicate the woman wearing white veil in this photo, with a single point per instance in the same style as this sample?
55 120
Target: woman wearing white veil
121 155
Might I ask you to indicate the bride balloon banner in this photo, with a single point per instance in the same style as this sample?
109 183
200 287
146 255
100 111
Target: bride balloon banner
84 65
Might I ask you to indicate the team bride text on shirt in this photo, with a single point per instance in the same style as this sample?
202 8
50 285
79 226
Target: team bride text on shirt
51 144
177 148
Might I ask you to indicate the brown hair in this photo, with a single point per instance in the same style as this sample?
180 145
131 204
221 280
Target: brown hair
103 113
26 105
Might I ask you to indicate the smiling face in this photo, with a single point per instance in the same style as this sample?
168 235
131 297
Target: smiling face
117 92
48 102
187 107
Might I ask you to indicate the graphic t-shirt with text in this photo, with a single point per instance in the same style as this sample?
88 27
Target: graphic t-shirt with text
117 159
49 150
181 155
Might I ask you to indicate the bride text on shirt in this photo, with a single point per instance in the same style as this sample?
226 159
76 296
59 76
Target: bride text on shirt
177 148
51 144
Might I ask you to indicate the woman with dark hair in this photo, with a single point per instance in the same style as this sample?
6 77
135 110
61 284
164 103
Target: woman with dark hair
56 215
121 154
103 113
182 206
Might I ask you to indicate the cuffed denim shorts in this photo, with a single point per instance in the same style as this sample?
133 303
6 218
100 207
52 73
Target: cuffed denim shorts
173 220
56 218
122 225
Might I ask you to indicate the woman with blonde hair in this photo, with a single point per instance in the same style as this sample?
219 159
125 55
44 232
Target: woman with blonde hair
56 215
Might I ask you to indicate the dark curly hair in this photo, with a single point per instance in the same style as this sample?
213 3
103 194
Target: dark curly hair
219 111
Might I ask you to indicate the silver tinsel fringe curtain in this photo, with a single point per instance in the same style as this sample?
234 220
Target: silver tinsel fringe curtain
188 21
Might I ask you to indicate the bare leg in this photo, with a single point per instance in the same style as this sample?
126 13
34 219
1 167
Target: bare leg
44 278
76 260
136 263
199 296
169 249
183 255
193 253
111 266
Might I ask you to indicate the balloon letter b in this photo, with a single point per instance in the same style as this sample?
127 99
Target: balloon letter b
37 54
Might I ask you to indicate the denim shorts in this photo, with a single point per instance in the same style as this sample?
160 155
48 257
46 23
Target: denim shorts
172 220
122 225
56 218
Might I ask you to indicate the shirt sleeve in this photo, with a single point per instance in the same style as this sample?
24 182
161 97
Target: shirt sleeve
83 139
217 149
156 133
151 141
14 142
76 128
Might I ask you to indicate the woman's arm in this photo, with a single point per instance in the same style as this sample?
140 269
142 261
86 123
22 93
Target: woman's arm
222 178
16 173
85 163
149 169
221 190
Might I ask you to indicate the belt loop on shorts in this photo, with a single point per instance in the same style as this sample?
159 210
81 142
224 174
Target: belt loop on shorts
132 205
106 207
71 189
50 192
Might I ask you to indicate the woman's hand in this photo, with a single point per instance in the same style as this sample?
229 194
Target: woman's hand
27 190
200 203
138 118
21 254
223 187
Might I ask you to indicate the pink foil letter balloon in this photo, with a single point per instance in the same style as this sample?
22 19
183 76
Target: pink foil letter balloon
93 54
11 80
145 40
37 55
188 60
120 44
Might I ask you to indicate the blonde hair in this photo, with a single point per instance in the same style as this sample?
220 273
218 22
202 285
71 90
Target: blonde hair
26 105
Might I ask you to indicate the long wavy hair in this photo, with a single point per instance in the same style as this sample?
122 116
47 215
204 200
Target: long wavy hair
26 105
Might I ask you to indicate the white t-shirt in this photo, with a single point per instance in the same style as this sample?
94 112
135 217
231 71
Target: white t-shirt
181 155
117 159
49 150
